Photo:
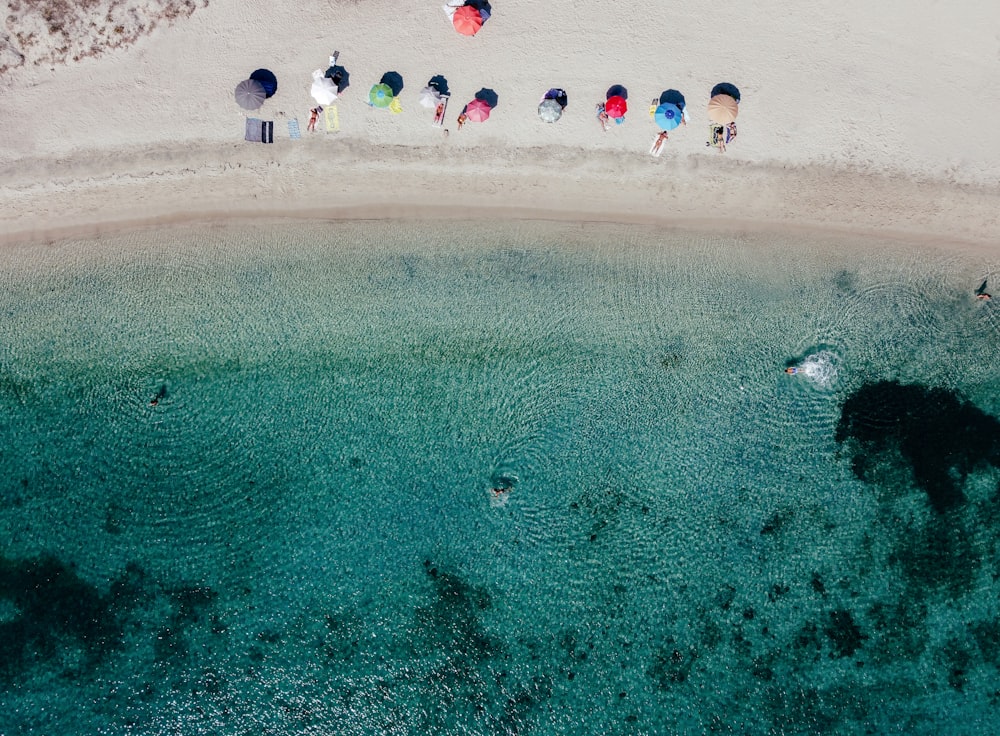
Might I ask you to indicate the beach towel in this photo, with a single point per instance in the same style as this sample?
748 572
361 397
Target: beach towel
293 129
332 118
259 131
395 106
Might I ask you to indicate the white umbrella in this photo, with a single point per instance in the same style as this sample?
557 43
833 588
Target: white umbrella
323 90
429 97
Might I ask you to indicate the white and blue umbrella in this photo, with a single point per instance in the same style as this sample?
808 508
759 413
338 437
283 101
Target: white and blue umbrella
667 116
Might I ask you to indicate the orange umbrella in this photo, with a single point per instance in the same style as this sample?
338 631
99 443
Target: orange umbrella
723 109
467 20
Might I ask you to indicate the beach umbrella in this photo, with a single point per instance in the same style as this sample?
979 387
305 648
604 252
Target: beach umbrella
667 116
557 94
250 94
725 88
429 97
616 107
467 20
267 79
339 76
323 90
380 95
722 109
478 111
550 110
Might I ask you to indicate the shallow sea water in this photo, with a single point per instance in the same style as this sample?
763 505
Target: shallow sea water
247 483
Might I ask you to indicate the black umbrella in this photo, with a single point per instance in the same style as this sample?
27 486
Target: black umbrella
488 96
394 81
267 79
725 88
672 97
617 90
559 95
339 76
439 83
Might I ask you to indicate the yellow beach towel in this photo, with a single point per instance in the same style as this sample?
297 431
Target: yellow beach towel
395 106
332 118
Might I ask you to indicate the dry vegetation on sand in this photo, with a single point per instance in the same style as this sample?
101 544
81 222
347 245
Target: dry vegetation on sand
57 31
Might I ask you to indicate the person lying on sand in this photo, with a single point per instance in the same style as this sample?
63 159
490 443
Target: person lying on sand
602 116
461 120
659 141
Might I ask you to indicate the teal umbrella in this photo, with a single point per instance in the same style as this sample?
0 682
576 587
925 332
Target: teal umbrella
381 95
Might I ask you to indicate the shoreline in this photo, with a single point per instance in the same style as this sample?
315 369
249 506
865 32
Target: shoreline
94 193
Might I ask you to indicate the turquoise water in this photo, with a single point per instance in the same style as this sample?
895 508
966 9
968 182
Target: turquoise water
248 483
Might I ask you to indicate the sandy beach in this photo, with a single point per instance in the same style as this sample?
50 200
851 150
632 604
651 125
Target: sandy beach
853 117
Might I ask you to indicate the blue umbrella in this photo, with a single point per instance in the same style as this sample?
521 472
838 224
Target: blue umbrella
667 116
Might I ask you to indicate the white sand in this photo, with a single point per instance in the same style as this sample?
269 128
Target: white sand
860 115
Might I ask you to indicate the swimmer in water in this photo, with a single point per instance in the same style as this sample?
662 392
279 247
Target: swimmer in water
981 292
792 370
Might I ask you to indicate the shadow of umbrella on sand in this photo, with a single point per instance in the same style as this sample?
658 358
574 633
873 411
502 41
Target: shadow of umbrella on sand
394 81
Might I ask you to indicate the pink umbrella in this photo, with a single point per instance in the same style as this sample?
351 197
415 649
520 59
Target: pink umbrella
478 110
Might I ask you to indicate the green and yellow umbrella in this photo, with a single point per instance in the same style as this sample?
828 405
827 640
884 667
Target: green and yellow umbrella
380 95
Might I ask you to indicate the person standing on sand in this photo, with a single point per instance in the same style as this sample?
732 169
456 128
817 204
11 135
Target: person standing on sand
461 120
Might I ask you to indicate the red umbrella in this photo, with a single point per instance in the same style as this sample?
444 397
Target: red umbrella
616 107
478 110
467 20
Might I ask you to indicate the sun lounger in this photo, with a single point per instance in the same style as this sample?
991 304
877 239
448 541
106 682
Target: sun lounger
259 131
439 115
332 118
293 129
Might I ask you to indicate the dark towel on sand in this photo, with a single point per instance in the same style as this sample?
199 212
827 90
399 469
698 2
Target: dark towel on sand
259 131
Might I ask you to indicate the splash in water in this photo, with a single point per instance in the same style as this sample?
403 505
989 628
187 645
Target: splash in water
820 368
